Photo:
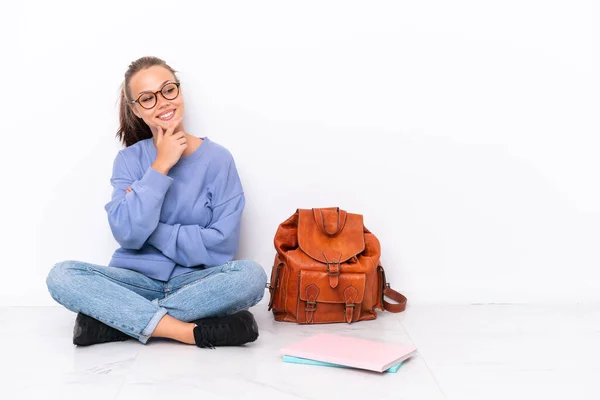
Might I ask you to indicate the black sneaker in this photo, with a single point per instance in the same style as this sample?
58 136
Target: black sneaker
230 330
88 330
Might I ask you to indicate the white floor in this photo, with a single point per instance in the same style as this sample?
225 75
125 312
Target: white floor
465 352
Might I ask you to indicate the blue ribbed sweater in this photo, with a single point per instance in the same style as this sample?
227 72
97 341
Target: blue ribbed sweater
170 223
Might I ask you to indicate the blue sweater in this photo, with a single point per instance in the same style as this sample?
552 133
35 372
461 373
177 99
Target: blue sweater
170 223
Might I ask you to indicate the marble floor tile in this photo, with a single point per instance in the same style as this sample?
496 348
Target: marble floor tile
465 352
509 351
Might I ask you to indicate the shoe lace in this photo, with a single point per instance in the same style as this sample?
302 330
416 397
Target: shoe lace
212 334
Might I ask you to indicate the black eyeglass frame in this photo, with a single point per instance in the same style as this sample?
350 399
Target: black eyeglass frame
155 94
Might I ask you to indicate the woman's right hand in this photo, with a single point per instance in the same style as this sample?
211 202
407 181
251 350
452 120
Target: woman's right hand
170 145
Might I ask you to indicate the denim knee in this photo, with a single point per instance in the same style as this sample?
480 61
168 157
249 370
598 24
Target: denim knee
59 276
254 277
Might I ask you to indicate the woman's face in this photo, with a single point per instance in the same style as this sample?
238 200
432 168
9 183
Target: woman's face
164 112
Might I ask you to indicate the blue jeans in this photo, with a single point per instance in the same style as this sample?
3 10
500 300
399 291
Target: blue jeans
134 304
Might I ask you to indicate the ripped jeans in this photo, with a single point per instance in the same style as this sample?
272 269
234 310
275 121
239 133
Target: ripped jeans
134 303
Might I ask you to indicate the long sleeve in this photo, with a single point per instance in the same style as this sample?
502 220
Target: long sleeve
215 244
134 216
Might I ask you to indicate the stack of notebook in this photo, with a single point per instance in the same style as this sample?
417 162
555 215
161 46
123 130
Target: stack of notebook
347 352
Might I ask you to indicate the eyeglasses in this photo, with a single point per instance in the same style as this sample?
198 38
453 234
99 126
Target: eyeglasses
169 91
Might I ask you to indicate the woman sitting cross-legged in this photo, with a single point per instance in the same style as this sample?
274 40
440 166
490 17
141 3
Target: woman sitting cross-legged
175 211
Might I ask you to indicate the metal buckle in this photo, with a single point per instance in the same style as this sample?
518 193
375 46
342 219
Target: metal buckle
312 304
333 273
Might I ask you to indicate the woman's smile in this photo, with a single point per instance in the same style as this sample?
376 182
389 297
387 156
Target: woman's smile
167 115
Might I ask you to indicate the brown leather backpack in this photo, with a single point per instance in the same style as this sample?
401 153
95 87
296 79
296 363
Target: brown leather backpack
327 270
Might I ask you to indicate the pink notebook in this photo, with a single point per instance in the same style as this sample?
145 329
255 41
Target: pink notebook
349 351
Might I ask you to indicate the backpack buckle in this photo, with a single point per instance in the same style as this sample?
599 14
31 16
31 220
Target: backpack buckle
333 268
310 306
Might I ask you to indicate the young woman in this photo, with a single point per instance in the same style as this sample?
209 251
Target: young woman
176 207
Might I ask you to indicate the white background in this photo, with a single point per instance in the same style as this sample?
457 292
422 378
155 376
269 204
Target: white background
465 132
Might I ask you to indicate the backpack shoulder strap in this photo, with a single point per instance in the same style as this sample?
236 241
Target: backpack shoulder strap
396 296
392 294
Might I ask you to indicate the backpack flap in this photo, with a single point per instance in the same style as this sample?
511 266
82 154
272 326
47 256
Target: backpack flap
330 236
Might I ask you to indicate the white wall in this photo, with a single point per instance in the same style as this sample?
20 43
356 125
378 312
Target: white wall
465 132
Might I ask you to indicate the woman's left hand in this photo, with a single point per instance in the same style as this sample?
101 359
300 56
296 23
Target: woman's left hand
128 189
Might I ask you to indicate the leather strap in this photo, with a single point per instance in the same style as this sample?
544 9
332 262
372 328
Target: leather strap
312 292
333 258
328 224
350 295
273 289
392 294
